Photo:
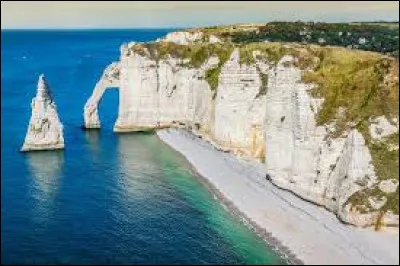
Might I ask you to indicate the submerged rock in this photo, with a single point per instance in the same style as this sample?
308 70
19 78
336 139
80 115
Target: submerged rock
45 131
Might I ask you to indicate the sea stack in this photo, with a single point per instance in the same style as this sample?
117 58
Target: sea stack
45 131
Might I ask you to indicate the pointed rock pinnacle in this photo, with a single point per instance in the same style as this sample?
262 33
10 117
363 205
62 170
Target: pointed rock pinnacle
45 131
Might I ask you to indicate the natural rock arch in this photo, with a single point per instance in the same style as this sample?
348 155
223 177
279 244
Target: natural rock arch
109 79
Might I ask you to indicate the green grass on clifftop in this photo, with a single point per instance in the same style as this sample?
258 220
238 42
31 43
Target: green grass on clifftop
380 37
358 86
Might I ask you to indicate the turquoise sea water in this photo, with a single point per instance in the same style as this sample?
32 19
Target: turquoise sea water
107 198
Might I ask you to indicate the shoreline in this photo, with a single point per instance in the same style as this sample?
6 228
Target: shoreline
296 229
266 236
283 251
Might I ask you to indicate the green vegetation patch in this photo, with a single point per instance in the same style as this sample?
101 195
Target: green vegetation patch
385 160
360 202
197 53
358 86
353 81
246 55
378 37
272 52
382 37
212 74
264 84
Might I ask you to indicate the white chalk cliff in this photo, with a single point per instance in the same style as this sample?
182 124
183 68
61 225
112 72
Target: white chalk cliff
109 79
45 131
182 37
273 121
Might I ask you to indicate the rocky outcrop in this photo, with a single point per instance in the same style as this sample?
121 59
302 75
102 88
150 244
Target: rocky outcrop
259 110
299 154
389 185
182 37
110 78
158 94
45 131
214 39
380 127
186 38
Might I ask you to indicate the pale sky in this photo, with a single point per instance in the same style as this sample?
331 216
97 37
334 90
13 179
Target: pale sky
134 14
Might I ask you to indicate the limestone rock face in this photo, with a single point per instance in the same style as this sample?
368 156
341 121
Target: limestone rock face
239 109
182 37
214 39
300 156
157 94
110 78
389 185
262 111
380 128
45 131
186 38
292 139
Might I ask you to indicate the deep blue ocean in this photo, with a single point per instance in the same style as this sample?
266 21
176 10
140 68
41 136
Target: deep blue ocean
107 198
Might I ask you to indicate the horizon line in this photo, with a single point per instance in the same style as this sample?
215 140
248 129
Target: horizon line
99 28
188 27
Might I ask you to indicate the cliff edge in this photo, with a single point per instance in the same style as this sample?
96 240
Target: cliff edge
323 120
